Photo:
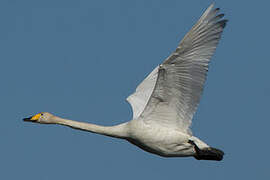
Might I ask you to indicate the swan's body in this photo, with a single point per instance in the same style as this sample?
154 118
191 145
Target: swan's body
164 103
160 140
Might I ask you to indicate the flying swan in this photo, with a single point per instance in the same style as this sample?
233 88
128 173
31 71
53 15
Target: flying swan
164 103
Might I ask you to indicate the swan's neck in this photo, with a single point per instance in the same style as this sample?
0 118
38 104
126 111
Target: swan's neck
118 131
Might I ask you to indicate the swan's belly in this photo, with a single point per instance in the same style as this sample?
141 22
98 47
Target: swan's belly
160 140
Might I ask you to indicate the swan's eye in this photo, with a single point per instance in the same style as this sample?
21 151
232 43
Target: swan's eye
41 114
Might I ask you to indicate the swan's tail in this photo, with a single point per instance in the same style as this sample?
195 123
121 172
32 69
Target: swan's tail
209 154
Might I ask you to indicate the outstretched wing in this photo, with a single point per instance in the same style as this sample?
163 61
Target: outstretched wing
171 93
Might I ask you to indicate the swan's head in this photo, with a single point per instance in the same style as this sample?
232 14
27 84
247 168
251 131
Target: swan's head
42 117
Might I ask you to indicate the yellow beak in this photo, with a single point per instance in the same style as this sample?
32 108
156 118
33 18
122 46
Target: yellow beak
33 118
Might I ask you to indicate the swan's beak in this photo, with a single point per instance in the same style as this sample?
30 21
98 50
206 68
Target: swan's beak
32 118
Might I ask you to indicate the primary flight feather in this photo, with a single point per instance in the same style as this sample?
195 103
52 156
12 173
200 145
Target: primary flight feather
164 103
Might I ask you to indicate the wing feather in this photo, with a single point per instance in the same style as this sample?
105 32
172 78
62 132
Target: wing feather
140 97
171 93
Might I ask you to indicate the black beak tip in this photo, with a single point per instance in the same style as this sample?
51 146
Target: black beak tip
27 119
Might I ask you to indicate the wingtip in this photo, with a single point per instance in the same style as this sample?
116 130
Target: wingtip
211 6
220 15
217 9
223 23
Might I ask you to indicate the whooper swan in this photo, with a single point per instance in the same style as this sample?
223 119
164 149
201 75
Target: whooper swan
164 103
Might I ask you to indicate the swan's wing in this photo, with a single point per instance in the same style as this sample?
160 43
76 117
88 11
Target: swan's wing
180 78
140 97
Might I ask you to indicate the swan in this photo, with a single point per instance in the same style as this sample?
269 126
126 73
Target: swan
165 101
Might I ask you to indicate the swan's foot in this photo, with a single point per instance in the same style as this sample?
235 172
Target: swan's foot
208 153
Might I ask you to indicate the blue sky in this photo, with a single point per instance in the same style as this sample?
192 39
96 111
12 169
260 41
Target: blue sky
80 59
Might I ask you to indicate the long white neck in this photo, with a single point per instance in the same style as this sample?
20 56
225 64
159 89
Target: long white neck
118 131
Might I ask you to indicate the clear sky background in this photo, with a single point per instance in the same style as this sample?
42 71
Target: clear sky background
80 59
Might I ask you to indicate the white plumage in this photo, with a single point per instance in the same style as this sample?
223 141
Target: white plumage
164 103
174 88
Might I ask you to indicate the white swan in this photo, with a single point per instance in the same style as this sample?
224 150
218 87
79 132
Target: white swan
164 103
